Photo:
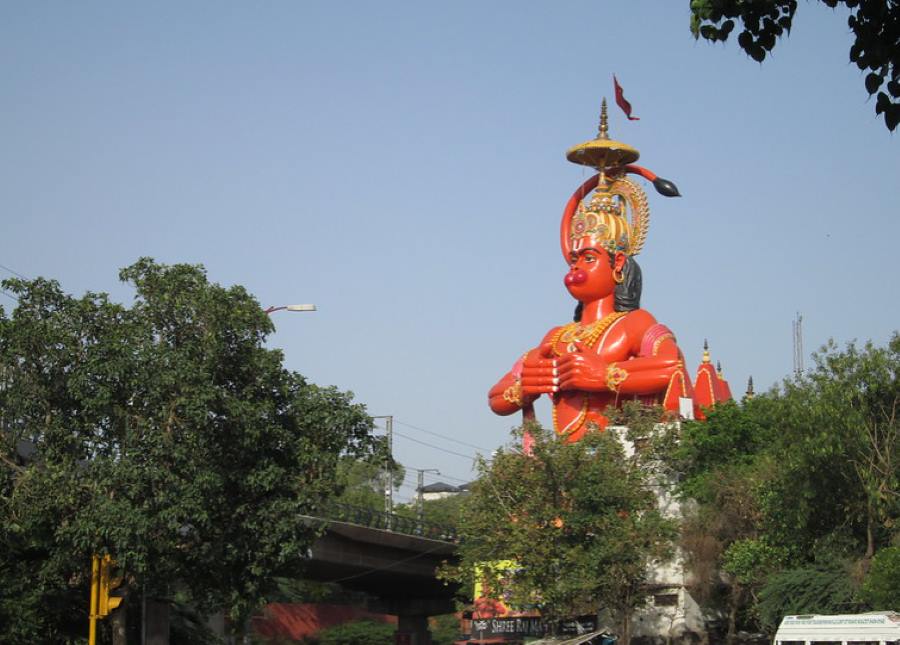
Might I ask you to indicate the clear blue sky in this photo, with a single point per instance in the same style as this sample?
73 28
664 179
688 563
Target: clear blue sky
401 165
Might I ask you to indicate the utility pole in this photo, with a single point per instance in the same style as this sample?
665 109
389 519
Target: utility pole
389 493
389 479
420 499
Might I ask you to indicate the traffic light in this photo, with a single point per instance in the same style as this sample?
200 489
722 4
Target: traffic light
106 602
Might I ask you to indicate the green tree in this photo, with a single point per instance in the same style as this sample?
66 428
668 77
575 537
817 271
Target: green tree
881 588
800 482
747 562
165 434
721 463
579 519
443 512
733 436
839 450
363 481
875 25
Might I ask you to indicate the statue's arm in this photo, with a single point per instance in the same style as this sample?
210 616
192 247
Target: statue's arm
641 375
652 369
647 365
532 375
506 396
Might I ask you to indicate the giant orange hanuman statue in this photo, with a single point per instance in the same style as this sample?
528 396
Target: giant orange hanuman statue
614 350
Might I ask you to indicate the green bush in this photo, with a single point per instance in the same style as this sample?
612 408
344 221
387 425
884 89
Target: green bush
445 630
806 591
359 632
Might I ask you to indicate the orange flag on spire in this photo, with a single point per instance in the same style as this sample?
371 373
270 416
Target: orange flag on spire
621 102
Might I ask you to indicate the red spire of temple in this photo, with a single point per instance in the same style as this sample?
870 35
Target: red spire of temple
724 388
710 387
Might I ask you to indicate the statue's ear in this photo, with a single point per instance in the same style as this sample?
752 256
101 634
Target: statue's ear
619 262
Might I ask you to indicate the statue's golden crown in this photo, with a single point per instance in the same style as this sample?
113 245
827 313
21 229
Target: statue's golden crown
603 222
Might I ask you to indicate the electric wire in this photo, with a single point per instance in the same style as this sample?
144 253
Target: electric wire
431 476
14 272
437 434
442 476
436 476
389 566
431 445
414 487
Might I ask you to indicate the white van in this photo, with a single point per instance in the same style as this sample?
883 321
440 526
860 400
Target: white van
873 628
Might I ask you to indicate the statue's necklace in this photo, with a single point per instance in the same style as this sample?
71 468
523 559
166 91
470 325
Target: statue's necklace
585 334
588 336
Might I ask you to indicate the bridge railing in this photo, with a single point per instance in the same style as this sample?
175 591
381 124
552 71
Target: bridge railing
389 522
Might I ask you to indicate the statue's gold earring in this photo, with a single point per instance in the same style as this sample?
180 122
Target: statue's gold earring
618 277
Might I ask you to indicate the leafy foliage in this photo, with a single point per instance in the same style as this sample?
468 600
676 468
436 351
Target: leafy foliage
795 489
748 560
875 25
843 447
164 434
881 588
807 590
580 521
359 632
362 481
445 630
299 590
445 511
732 436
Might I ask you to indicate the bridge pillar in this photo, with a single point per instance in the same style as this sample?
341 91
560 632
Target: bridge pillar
412 630
412 616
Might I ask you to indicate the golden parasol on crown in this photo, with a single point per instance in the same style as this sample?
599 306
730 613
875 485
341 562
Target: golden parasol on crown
618 216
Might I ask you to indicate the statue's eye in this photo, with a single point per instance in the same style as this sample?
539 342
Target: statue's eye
590 257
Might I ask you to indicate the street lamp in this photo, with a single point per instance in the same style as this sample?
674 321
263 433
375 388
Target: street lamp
420 500
269 310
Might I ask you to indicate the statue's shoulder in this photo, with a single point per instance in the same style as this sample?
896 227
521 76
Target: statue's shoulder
646 333
653 337
639 321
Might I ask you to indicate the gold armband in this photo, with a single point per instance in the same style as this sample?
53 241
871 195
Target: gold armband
659 341
615 375
513 394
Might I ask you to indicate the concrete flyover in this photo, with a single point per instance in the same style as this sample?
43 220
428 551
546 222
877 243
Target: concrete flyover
393 559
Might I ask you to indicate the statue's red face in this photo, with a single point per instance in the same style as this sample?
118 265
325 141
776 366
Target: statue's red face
590 275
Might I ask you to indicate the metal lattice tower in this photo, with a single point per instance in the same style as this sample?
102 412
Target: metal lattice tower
798 345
